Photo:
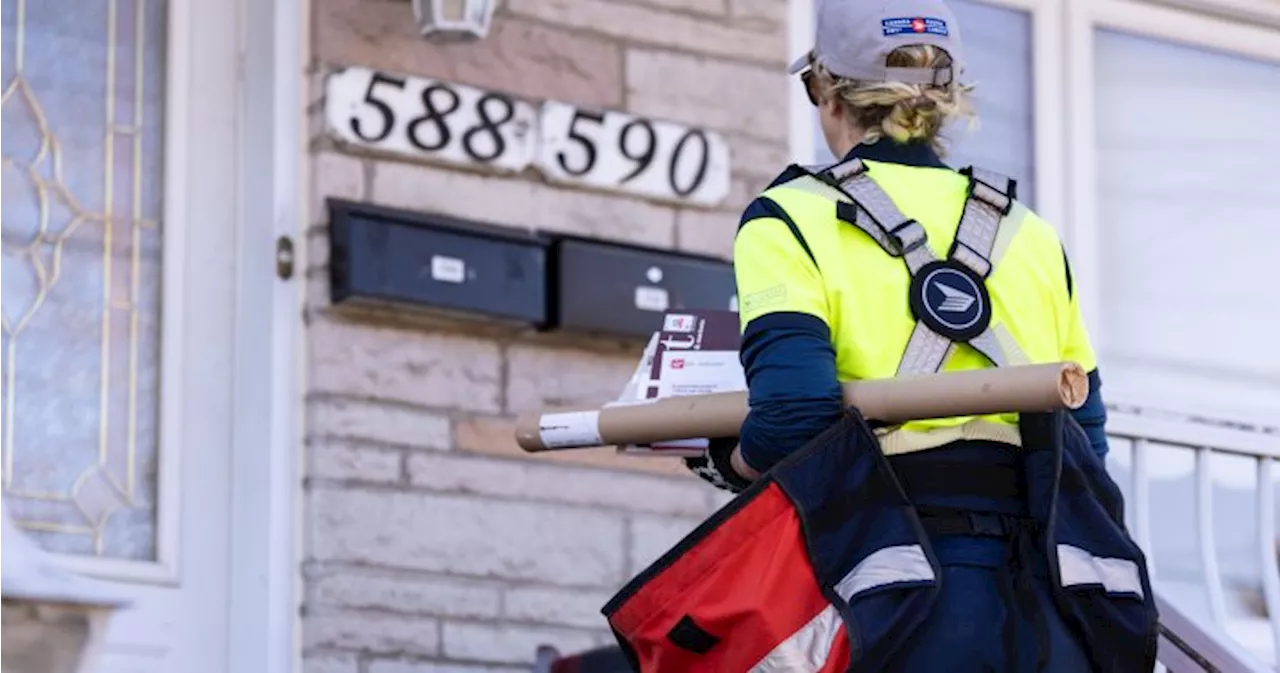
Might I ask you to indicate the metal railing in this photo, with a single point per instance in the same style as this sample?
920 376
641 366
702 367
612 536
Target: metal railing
1201 640
1187 645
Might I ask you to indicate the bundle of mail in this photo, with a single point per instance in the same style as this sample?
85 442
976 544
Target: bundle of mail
695 353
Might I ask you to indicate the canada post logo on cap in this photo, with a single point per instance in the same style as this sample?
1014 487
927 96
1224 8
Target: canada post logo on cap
914 25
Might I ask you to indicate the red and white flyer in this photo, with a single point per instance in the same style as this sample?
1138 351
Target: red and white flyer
695 353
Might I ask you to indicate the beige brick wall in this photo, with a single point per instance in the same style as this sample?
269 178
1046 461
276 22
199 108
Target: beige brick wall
433 543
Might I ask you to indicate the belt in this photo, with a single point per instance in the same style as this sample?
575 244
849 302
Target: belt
1016 580
943 477
939 521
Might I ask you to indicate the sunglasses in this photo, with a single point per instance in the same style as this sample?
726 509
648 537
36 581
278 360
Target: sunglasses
806 78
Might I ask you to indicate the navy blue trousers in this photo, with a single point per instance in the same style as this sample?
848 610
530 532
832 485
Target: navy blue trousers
995 610
979 607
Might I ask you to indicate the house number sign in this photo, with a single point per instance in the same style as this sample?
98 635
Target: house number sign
462 125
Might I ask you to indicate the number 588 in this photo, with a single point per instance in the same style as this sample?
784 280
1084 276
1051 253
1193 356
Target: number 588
450 121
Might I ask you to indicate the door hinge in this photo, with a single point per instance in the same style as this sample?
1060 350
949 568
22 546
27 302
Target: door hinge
284 257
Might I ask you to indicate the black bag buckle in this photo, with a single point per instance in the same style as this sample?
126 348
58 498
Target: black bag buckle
989 525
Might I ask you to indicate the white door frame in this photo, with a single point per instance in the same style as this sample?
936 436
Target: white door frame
266 490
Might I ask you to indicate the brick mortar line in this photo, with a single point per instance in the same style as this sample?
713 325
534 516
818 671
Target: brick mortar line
328 396
320 571
321 396
693 517
628 547
318 230
371 162
354 657
504 380
321 440
365 656
367 177
442 659
316 571
440 636
474 327
497 620
425 320
331 610
613 586
724 12
479 329
394 488
762 62
402 464
464 455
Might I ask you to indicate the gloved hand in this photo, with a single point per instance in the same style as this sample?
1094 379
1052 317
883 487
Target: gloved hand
713 466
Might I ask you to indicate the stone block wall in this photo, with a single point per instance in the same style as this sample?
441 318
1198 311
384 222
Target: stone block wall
432 543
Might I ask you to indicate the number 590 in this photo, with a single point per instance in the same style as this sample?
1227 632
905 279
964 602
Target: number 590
622 152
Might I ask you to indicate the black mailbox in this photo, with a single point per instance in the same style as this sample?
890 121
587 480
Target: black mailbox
621 289
389 255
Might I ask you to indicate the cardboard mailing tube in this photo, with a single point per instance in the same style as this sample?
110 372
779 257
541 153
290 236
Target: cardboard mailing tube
1027 388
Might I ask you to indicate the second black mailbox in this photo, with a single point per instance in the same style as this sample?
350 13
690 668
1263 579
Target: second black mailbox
624 290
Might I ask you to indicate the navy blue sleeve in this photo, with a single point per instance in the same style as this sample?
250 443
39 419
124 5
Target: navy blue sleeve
794 395
1092 416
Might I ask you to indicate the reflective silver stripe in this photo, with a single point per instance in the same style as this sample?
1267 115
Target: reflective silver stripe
806 650
978 263
976 236
987 344
866 222
812 185
999 183
840 172
1012 351
980 222
1009 227
915 241
897 234
925 351
874 200
998 345
1116 575
891 565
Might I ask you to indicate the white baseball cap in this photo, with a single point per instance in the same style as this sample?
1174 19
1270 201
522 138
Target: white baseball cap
855 37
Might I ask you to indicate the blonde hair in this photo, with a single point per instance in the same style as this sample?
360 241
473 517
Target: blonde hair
900 111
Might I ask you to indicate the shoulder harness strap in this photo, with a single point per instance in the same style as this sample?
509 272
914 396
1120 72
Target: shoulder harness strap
948 297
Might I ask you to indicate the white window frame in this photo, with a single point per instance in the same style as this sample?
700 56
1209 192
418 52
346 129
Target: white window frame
174 271
1207 29
269 341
